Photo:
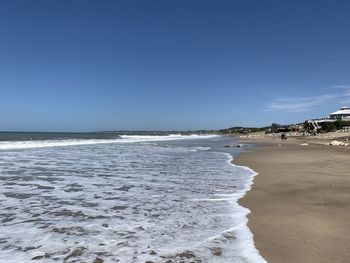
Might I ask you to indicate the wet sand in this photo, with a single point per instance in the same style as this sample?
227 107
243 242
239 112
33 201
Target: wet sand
300 201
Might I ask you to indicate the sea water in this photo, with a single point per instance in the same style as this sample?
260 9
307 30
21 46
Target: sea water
131 198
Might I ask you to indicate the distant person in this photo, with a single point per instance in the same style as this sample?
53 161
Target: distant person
283 136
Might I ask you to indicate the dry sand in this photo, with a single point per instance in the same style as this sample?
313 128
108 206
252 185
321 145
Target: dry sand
300 201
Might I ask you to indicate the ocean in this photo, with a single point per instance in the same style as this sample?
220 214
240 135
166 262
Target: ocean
113 197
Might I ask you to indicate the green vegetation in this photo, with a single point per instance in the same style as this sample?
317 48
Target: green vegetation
242 130
334 126
307 126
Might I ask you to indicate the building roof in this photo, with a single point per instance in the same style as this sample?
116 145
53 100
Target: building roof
343 110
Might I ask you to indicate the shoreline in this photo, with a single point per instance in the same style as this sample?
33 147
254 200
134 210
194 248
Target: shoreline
299 200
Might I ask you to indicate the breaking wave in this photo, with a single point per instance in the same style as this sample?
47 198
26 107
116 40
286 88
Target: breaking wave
13 145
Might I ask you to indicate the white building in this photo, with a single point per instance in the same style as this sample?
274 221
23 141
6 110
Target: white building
342 114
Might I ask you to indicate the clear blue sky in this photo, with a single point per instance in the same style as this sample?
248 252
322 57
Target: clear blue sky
164 65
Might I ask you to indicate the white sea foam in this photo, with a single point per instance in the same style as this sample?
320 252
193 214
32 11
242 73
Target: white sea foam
13 145
124 203
142 138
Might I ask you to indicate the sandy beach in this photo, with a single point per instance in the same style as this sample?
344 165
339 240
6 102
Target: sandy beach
300 200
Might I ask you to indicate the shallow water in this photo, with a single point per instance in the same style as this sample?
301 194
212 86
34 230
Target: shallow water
134 200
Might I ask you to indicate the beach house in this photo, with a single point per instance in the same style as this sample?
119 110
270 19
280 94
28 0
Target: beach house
342 114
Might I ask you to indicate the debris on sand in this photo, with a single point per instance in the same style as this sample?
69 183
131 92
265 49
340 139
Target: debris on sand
338 143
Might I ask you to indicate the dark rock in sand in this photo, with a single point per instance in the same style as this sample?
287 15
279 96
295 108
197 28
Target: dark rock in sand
30 248
98 260
76 253
70 230
186 254
217 251
229 235
59 230
40 257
